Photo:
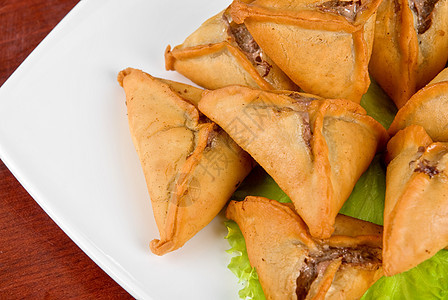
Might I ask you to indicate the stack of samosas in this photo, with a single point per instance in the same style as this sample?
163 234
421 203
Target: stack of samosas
416 208
284 81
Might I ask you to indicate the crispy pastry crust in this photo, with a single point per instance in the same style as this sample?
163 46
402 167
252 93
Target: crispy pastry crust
416 207
279 248
315 149
191 166
427 108
404 60
322 52
211 58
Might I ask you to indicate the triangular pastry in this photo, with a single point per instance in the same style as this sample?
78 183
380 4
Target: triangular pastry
324 46
222 53
191 166
416 205
293 265
315 149
410 45
427 108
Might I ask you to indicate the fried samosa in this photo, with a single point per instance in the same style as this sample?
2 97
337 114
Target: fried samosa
324 46
315 149
416 205
191 166
222 53
293 265
427 108
410 45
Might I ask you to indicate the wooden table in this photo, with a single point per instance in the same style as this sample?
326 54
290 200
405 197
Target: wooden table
37 259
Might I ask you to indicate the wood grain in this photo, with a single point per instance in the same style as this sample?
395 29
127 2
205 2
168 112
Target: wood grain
37 259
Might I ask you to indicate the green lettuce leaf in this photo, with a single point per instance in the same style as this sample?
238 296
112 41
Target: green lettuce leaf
378 105
366 202
429 280
240 266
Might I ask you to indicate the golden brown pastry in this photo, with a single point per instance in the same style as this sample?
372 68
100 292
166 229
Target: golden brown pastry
314 149
324 46
427 108
410 45
222 53
416 207
191 166
293 265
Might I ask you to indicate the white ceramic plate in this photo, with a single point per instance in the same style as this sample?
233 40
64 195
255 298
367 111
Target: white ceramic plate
64 135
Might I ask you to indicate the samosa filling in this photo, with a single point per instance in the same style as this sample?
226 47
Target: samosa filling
212 138
301 98
347 9
427 167
317 263
307 134
247 44
423 11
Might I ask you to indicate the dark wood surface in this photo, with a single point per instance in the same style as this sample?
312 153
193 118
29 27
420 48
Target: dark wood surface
37 259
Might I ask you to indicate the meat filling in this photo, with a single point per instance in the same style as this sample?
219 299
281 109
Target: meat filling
315 264
425 166
247 44
423 11
306 128
347 9
301 98
212 137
